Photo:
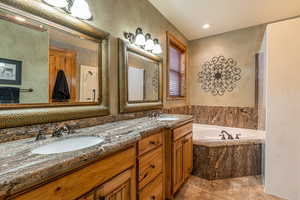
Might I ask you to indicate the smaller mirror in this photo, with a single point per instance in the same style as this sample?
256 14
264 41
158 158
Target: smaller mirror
143 78
140 79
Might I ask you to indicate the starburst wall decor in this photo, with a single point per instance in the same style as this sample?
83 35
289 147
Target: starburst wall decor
219 75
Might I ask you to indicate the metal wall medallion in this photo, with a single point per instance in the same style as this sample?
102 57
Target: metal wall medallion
219 75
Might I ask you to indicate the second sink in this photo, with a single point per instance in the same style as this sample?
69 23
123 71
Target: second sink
67 145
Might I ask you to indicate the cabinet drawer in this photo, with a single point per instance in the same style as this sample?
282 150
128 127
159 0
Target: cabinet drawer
150 165
80 182
182 131
149 143
153 191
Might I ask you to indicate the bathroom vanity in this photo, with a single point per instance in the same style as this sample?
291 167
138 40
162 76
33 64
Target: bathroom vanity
139 159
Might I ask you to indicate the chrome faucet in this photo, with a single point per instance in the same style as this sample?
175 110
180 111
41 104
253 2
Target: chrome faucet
62 131
229 136
154 115
40 136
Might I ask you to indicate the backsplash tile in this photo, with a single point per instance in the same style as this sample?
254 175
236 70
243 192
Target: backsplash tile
239 117
17 133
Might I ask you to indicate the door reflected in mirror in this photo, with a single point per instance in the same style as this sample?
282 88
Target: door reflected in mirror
143 78
44 65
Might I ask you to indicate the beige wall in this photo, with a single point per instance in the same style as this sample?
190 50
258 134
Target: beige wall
30 47
241 45
283 109
119 16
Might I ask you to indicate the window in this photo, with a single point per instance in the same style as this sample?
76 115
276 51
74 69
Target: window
176 67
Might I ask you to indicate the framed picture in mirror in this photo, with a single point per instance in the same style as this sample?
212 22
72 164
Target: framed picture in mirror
10 71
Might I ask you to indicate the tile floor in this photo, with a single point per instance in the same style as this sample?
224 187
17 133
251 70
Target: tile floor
245 188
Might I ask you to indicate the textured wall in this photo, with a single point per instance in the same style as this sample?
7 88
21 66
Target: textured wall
15 41
283 108
241 45
119 16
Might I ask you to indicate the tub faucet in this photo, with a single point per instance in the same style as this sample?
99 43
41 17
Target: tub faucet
222 136
230 137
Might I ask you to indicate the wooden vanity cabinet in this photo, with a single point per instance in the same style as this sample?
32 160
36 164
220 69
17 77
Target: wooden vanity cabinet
151 168
113 178
179 157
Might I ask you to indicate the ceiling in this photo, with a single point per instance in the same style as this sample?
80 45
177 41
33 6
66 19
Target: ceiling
223 15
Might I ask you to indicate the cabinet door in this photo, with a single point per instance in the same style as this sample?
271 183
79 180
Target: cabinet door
154 190
121 187
178 176
187 155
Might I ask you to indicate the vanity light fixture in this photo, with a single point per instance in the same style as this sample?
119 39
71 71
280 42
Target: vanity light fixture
149 45
144 41
157 48
139 37
57 3
77 8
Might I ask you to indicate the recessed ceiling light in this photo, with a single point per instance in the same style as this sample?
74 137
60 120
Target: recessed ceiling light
206 26
21 19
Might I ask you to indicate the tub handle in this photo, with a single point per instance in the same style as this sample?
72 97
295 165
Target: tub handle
237 136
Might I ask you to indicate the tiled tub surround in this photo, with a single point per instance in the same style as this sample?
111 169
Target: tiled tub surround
20 169
218 159
240 117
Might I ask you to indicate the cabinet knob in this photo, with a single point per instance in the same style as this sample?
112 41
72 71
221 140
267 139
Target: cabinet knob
153 142
153 198
152 166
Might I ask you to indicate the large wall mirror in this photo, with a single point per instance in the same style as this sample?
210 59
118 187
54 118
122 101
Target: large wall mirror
140 79
46 64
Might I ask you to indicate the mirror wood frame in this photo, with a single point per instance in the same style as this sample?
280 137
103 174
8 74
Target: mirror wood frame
30 114
124 105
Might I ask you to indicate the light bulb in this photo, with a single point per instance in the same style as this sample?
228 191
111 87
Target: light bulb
139 37
157 48
206 26
21 19
81 9
57 3
149 45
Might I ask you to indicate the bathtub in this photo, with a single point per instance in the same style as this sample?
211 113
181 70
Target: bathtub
210 134
215 158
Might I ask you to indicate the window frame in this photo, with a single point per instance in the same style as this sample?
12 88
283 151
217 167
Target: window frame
173 41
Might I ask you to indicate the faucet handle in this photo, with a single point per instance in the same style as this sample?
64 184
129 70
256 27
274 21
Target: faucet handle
237 136
222 136
40 136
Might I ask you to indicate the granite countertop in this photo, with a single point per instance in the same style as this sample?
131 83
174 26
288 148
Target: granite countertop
21 169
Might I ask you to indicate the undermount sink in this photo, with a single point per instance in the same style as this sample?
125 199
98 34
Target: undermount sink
67 145
167 118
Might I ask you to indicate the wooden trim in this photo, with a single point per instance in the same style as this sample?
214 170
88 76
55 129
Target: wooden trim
124 105
172 40
176 42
